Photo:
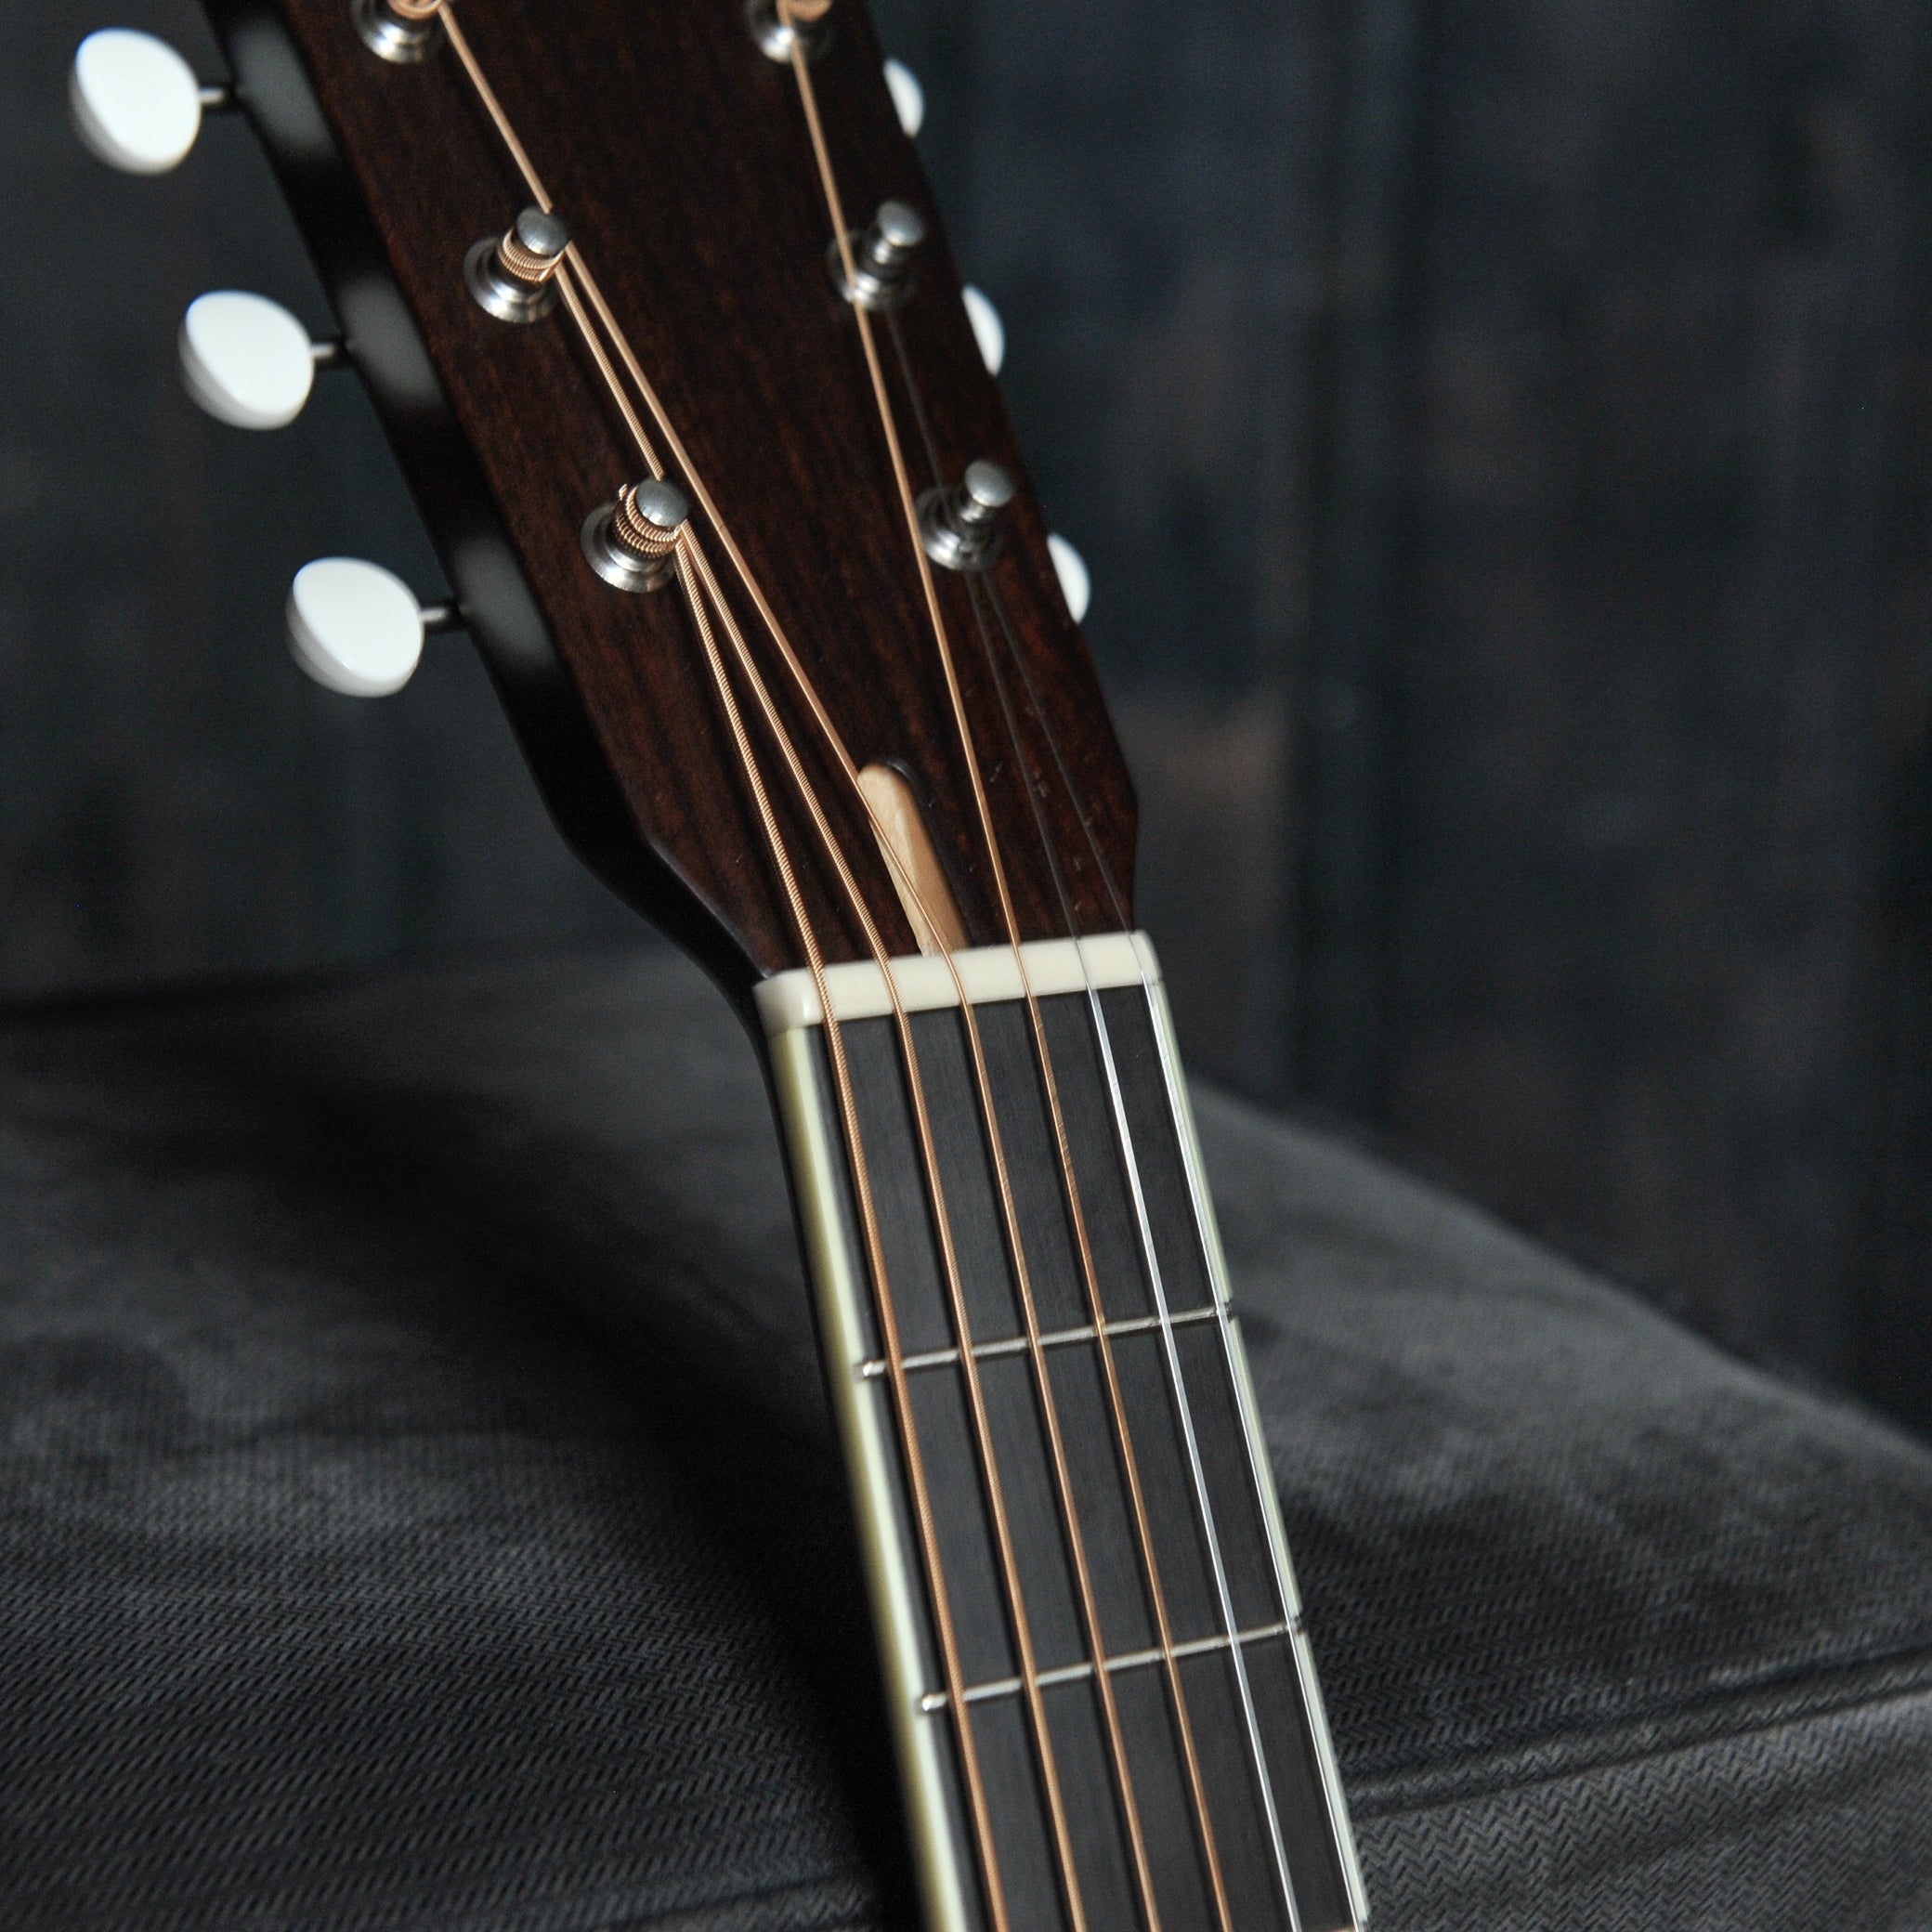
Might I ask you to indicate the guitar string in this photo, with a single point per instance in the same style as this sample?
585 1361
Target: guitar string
688 550
1117 1403
888 1324
695 564
595 296
981 1425
1285 1591
1049 1405
1029 1672
1090 1272
994 1495
1124 1134
1285 1594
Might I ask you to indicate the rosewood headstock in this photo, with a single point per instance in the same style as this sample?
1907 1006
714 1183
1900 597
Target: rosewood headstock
696 322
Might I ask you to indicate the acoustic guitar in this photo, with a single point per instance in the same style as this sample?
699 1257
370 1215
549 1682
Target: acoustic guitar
654 307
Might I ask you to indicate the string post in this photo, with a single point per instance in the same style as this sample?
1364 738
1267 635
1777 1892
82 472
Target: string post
632 543
959 527
512 275
402 31
881 274
779 26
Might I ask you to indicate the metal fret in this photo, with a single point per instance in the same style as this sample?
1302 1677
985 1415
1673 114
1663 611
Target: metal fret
1059 1337
937 1700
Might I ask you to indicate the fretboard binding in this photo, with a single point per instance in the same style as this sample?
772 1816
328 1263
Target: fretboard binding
935 1701
1017 1344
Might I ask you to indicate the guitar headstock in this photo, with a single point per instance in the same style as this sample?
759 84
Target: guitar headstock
755 564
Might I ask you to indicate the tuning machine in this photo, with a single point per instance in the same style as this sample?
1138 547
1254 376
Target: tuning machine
961 528
356 629
402 31
248 361
988 330
882 258
136 103
800 24
631 544
908 96
512 275
1070 567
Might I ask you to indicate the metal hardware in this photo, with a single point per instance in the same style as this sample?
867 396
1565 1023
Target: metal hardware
874 1366
402 31
959 527
935 1701
630 543
514 277
807 27
882 258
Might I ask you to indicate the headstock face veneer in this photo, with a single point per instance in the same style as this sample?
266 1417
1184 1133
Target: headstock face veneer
681 160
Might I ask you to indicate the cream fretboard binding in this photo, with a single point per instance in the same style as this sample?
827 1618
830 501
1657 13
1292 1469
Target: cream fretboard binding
1221 1802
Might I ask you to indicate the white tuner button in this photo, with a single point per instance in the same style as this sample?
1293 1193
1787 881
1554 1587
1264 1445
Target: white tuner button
1070 567
247 360
136 103
988 330
354 627
908 96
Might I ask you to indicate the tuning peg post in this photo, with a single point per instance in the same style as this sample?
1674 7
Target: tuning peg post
136 103
247 360
1075 584
356 628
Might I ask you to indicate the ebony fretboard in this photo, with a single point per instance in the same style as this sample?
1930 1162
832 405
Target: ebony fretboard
1256 1805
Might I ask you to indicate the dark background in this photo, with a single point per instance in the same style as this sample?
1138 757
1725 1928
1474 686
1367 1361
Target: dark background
1499 432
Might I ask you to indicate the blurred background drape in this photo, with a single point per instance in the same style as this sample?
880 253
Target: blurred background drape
1499 432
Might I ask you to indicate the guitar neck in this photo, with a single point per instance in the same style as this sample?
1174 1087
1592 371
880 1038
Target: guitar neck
655 307
1053 1449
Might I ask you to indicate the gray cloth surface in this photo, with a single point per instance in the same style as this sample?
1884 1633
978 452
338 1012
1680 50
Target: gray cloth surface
419 1510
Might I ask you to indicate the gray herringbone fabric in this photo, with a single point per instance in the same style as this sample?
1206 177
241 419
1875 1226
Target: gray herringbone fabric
417 1509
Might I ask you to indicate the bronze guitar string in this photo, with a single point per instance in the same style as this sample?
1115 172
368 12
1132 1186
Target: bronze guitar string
799 67
1048 1406
1044 1055
1116 1402
1029 1673
691 564
1125 1135
996 1501
995 1498
608 374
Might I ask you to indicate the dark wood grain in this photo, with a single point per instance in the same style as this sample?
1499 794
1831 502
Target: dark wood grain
680 157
